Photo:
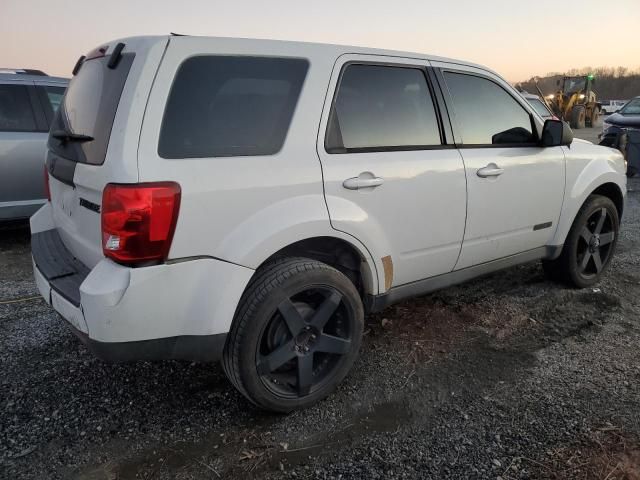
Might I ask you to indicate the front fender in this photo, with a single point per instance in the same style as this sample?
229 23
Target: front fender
588 167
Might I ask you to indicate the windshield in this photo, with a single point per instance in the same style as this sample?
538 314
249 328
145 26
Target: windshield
631 108
540 108
572 85
88 110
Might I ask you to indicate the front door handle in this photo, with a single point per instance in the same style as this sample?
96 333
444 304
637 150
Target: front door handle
356 183
491 170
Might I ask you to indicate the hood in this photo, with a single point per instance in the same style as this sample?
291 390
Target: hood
623 120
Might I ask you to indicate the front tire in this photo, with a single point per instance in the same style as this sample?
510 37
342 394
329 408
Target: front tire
295 335
595 118
590 245
578 117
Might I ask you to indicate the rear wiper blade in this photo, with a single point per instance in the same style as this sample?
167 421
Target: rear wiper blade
66 136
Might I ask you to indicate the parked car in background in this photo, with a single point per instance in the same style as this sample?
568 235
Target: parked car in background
28 102
249 200
627 121
538 105
611 106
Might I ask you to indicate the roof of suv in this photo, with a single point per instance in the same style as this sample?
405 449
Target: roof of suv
333 48
28 75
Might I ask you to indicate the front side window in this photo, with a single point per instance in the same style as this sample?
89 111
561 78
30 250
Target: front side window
382 107
16 114
224 106
486 114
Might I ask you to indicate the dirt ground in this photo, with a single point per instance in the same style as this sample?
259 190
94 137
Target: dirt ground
510 376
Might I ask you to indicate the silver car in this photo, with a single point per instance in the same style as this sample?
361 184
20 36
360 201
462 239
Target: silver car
538 104
28 100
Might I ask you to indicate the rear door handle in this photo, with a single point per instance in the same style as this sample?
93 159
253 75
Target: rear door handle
491 170
356 183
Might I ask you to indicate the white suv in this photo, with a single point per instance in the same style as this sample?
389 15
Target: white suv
251 200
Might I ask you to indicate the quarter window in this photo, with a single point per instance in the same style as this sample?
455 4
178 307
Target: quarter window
16 114
382 107
54 96
486 114
223 106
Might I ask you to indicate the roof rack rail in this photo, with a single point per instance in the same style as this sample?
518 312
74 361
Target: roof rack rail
23 71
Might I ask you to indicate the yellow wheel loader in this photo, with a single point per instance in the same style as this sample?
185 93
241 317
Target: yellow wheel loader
576 102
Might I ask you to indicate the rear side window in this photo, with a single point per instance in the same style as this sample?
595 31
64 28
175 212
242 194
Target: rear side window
486 114
16 113
380 108
224 106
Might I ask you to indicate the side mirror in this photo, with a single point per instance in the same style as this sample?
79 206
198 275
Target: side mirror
556 133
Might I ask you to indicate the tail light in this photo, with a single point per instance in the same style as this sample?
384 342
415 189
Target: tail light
138 221
47 190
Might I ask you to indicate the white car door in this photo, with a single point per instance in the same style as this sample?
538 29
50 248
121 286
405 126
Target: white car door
515 187
392 179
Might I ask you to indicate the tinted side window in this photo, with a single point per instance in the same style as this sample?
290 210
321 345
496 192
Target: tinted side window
381 107
221 106
486 113
16 114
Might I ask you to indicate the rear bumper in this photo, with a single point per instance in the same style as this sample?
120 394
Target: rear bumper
197 348
180 310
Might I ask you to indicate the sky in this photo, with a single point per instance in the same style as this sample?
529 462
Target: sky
516 38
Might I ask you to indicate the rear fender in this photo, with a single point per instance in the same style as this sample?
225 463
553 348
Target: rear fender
306 217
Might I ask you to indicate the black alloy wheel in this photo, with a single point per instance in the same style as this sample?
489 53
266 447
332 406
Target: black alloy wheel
304 342
589 246
595 243
295 335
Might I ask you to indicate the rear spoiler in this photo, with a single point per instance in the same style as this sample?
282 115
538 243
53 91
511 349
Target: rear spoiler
100 52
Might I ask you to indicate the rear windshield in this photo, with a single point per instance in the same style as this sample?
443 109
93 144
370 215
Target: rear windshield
88 108
222 106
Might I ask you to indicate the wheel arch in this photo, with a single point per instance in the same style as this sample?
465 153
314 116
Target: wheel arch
613 192
606 186
349 257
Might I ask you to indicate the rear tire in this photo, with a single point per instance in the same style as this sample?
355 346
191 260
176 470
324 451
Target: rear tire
295 336
590 245
578 117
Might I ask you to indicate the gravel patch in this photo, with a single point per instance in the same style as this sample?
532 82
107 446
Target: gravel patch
509 376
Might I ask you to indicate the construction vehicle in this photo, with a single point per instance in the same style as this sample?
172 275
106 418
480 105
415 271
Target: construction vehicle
576 102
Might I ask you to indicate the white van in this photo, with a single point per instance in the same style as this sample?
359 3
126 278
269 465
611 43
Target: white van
251 200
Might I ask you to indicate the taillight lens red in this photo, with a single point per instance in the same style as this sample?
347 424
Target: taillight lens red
138 221
47 190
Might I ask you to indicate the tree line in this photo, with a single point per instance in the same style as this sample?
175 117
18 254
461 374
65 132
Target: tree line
619 83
